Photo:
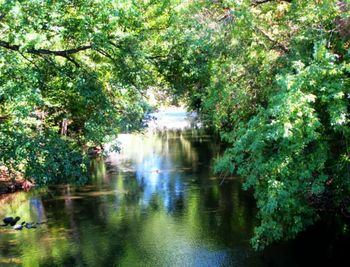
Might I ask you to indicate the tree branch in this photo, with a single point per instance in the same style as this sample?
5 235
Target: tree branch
61 53
114 44
158 56
4 117
283 47
31 61
104 53
259 2
71 59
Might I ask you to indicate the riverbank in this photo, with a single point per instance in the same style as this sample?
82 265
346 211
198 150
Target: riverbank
9 185
13 182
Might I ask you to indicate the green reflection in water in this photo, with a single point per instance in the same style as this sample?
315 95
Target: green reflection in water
157 203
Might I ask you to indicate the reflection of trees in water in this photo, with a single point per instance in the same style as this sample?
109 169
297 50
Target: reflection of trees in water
127 217
183 147
98 174
164 167
184 165
86 228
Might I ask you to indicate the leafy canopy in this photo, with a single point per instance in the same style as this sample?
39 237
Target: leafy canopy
277 89
272 77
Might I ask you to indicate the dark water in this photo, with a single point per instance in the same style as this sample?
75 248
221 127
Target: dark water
157 203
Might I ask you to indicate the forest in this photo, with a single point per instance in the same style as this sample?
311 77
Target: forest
270 77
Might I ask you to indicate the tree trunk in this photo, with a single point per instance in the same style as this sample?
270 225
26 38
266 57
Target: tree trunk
64 127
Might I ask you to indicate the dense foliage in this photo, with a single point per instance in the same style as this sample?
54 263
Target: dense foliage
272 77
72 74
277 89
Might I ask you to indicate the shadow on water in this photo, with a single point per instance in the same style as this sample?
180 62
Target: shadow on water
156 203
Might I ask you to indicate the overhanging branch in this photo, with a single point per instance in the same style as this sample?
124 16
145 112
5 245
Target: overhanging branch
281 46
61 53
259 2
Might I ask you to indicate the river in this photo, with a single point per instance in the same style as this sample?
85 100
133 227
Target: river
155 203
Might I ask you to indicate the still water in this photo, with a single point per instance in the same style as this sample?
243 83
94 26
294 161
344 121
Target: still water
156 203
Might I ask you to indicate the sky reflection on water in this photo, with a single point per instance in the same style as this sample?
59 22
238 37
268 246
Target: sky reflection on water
156 203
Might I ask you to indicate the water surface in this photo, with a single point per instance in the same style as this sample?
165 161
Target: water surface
156 203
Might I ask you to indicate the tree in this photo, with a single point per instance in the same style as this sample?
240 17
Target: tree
75 68
279 96
272 77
